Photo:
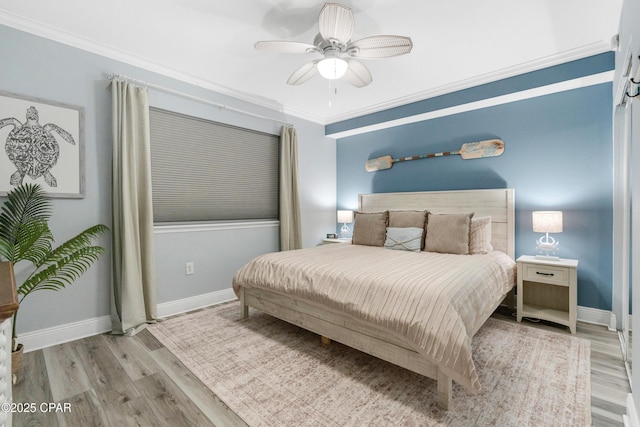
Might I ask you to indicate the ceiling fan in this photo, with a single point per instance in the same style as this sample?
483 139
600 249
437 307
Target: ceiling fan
336 25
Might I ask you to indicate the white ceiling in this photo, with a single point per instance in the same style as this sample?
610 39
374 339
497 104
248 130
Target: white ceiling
457 43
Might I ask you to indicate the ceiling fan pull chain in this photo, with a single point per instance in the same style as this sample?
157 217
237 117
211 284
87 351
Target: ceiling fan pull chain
333 90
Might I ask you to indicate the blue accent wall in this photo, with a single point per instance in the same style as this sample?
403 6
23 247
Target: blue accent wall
559 73
558 156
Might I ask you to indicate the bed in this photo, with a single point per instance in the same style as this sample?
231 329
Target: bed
418 309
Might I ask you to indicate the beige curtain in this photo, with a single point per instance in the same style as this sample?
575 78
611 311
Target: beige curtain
290 220
133 299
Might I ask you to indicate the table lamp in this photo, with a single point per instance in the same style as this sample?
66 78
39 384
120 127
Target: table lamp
547 222
345 217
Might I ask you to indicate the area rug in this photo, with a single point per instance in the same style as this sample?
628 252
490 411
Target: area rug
272 373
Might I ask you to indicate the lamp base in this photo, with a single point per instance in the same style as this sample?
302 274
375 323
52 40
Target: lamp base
344 231
547 245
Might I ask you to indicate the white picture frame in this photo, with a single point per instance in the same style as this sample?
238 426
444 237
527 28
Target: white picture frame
47 148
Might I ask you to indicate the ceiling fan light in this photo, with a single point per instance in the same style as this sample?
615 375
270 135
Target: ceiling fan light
332 68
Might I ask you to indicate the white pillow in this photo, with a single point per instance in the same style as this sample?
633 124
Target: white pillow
404 238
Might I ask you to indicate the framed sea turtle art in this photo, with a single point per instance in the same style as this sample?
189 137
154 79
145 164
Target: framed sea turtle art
41 142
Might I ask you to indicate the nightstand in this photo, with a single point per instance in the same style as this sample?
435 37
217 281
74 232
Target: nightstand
548 290
327 240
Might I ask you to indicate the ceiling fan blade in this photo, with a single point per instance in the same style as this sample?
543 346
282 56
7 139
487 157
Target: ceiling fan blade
357 74
303 73
283 46
336 23
380 47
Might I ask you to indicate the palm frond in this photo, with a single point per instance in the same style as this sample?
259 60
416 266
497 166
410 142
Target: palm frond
6 249
33 243
25 204
63 272
82 240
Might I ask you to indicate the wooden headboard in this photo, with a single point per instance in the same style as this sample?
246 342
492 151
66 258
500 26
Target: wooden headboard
497 203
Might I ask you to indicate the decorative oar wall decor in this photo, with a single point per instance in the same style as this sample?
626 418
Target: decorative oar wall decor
470 150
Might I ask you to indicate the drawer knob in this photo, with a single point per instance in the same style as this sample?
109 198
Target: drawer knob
544 274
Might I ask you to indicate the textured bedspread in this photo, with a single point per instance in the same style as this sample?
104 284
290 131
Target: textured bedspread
437 301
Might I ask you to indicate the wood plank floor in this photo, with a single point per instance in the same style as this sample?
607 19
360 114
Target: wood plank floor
118 381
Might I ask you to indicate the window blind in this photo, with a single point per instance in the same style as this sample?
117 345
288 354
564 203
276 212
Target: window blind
207 171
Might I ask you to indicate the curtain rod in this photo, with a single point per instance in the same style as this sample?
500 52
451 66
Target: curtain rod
113 76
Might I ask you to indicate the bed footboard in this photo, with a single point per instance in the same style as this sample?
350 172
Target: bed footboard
332 325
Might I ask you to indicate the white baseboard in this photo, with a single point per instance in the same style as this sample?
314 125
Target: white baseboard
64 333
85 328
631 419
597 317
192 303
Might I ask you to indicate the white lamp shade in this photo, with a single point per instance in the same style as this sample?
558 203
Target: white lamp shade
332 68
345 217
547 222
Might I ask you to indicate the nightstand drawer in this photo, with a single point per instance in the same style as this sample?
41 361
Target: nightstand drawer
546 274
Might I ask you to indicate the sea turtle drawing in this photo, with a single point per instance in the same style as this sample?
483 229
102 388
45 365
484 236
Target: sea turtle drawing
32 148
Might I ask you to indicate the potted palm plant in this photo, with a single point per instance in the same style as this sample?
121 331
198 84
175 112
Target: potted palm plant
25 237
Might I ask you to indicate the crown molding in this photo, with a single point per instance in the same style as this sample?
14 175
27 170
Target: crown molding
46 31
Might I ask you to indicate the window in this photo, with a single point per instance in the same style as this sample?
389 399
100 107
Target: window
207 171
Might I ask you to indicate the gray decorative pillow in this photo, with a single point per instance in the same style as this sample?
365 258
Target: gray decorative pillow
404 238
417 219
448 233
480 235
370 229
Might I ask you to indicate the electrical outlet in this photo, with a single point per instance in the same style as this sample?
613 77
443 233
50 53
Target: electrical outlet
189 268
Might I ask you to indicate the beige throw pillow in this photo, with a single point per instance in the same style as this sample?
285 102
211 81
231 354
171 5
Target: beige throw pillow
401 219
448 233
370 229
480 235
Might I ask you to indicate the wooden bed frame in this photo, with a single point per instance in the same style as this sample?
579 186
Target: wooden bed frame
333 325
